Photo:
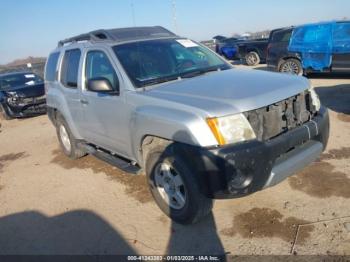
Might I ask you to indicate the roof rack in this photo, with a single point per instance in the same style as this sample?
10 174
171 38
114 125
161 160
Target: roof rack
97 35
120 34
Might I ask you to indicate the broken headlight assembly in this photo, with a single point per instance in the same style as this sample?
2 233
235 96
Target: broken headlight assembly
13 98
315 100
231 129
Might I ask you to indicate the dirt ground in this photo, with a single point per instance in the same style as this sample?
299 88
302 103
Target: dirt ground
52 205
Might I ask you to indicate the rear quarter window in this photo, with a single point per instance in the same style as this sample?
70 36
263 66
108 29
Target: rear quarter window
51 65
282 36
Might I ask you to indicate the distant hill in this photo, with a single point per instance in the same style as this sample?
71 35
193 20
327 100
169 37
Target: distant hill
18 65
24 61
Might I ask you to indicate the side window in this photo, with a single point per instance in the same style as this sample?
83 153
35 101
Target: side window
286 36
70 68
282 36
98 65
51 65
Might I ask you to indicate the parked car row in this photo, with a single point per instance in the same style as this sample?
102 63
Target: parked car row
321 47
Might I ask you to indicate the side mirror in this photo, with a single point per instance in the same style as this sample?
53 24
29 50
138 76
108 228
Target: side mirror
101 85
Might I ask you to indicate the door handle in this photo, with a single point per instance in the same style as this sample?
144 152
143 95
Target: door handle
84 102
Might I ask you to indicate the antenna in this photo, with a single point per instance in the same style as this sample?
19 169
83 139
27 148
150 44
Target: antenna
174 16
133 13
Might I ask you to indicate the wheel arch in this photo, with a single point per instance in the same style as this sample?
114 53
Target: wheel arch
285 58
253 49
166 124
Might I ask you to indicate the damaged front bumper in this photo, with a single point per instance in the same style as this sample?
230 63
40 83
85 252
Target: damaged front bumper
26 107
238 170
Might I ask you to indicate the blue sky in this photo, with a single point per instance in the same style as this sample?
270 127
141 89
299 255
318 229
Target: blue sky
33 27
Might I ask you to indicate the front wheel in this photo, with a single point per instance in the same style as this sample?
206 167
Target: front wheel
4 113
291 66
175 188
252 59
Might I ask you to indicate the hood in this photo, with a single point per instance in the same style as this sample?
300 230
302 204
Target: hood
26 91
230 91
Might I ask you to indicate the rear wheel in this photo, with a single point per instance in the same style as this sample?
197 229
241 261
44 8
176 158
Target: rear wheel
252 58
68 143
174 187
291 66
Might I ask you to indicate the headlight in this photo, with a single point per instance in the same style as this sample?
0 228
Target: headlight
231 129
314 99
12 99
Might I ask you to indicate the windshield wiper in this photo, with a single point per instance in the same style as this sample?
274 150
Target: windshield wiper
189 74
199 72
158 80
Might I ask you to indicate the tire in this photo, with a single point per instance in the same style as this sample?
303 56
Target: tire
68 143
291 66
4 113
192 205
252 58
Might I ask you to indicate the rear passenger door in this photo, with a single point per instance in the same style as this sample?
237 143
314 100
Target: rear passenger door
341 47
105 115
70 83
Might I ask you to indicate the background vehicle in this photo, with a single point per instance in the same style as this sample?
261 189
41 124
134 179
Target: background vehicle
200 129
278 57
227 47
253 52
322 47
21 94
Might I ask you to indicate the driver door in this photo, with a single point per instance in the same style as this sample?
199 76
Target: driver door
105 114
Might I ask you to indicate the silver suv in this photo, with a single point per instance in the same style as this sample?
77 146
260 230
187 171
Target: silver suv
145 98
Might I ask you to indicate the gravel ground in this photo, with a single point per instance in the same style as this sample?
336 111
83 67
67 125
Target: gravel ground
52 205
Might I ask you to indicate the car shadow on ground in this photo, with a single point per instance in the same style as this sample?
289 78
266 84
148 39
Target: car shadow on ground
336 98
74 232
201 238
82 232
328 76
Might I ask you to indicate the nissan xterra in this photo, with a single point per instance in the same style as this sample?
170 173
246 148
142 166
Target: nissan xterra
145 98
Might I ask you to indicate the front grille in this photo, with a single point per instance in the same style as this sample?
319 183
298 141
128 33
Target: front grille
275 119
32 100
35 109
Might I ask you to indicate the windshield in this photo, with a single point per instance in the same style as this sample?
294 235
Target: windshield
17 80
156 61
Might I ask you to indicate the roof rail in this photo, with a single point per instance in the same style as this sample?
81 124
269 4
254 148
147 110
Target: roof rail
91 36
120 34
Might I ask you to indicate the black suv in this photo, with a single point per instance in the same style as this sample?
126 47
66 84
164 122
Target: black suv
278 57
322 47
21 95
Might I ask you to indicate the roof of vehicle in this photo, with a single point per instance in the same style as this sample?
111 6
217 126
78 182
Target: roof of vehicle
16 73
121 35
319 23
281 29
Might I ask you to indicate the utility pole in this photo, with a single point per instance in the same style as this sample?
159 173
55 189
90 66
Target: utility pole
174 16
